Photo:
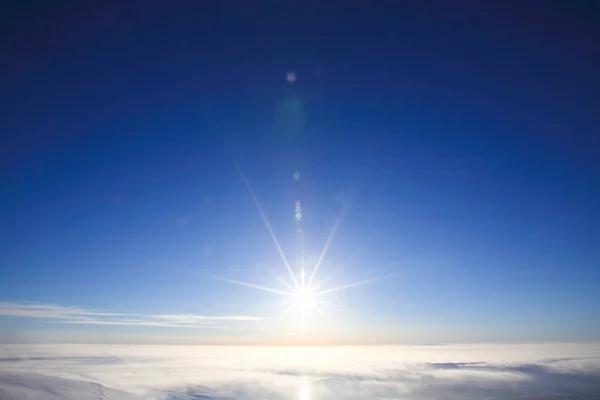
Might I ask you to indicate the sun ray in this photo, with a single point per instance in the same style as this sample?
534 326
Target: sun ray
284 283
302 259
329 304
320 310
326 247
252 285
351 285
317 285
288 309
267 223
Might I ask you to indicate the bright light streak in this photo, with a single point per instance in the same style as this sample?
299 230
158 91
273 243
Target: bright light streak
267 223
304 392
302 258
314 286
350 285
252 285
326 247
284 283
320 310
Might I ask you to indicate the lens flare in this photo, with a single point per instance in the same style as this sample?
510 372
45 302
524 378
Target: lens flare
290 76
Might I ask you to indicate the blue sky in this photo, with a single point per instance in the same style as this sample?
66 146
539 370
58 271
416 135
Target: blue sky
461 143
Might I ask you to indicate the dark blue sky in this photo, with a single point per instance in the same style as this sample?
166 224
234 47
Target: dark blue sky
465 135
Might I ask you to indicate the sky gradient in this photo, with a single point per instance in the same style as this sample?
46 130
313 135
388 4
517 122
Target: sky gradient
459 143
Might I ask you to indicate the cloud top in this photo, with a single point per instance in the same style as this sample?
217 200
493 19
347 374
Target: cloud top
548 371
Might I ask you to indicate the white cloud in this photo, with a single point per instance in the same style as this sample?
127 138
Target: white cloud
124 323
190 318
466 372
33 310
76 315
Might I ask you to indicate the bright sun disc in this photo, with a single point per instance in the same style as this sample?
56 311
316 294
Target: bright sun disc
303 298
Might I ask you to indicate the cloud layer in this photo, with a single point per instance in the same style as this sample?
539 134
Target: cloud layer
75 315
549 371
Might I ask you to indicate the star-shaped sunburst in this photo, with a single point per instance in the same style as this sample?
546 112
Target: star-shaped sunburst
303 295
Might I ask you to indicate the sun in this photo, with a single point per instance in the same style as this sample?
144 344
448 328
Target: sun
302 294
303 299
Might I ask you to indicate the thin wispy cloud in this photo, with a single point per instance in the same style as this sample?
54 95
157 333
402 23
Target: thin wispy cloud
80 316
126 323
202 318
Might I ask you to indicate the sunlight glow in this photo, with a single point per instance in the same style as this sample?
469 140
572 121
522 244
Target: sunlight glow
302 293
304 392
326 247
303 299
